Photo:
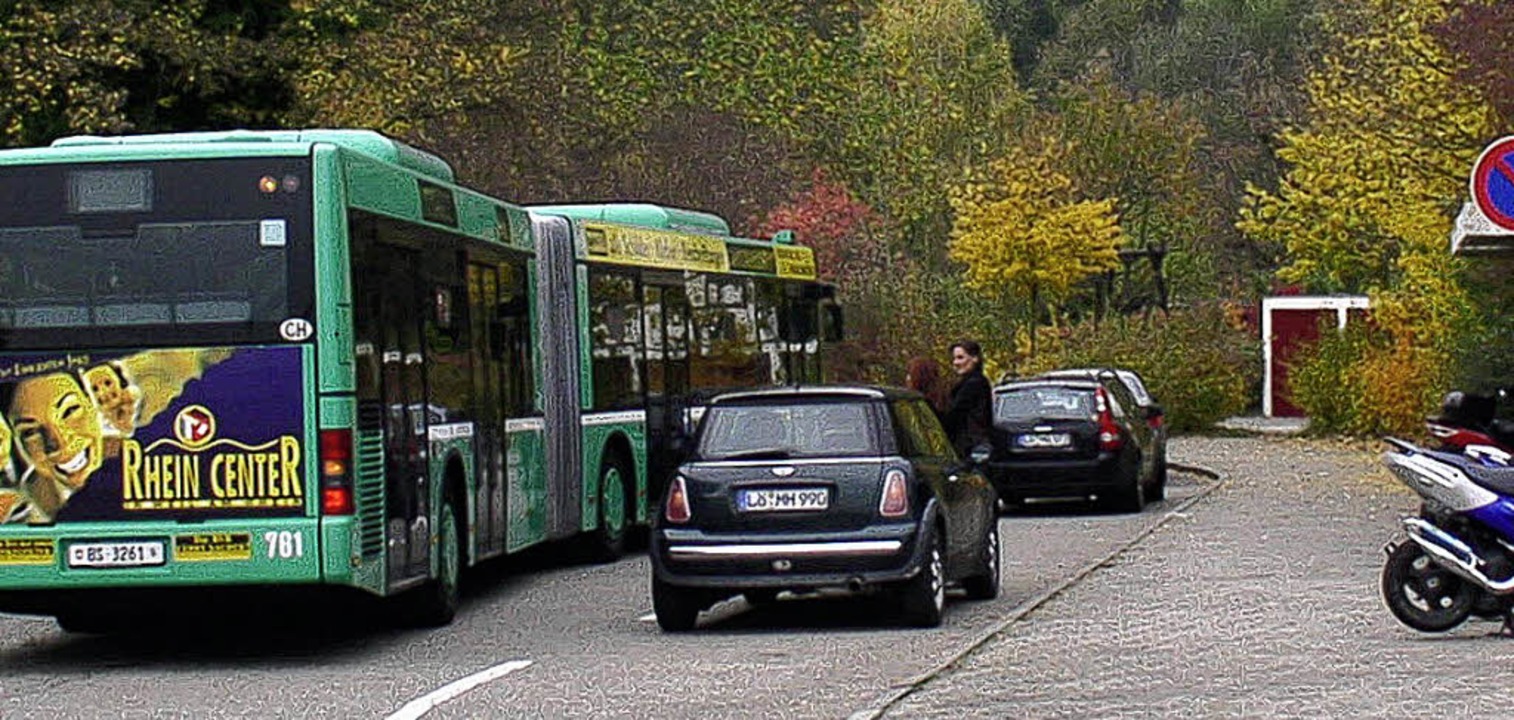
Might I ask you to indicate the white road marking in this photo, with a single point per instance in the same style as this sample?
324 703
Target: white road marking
424 704
649 617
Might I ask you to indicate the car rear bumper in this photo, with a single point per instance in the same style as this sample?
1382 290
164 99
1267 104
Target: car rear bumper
1056 478
693 558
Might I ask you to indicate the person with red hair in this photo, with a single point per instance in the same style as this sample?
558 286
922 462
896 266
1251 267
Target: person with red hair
923 375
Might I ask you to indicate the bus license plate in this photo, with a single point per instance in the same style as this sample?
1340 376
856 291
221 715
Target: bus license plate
115 554
784 499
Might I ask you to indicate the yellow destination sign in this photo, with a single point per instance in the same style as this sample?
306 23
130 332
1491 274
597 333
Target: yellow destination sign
794 261
26 551
212 546
656 248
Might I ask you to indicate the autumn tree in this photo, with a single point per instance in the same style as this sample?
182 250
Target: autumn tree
397 66
934 93
1144 151
1480 33
1375 178
101 66
1023 232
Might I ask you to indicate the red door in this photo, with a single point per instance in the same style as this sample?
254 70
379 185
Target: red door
1292 330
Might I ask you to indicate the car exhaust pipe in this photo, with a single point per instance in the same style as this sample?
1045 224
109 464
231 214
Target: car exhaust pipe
1454 555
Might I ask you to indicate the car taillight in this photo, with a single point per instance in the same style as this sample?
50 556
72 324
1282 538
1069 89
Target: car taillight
336 472
895 502
1109 432
677 510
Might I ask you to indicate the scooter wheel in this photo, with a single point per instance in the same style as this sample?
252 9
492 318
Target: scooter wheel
1424 595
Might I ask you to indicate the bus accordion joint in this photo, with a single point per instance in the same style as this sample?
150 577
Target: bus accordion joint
336 472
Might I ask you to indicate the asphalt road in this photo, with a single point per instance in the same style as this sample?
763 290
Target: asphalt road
537 638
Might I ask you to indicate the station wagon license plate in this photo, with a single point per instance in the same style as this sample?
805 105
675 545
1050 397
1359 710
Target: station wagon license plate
776 500
1045 440
116 554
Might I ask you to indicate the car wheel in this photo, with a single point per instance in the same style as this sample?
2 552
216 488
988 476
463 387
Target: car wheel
89 622
761 596
1159 488
608 541
435 603
922 598
1132 497
985 586
677 608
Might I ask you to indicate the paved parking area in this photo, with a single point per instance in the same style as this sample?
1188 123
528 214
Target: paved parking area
1260 601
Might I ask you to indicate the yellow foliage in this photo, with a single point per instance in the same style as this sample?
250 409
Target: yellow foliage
1020 227
1375 176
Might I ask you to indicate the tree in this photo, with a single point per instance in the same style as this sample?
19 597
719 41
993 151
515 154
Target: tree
934 94
1374 181
1143 150
398 66
1022 232
102 66
846 234
1481 34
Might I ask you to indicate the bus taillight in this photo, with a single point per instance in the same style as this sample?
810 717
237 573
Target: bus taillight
336 472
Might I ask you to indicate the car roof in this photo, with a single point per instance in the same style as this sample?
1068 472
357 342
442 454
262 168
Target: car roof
1079 383
1131 379
829 391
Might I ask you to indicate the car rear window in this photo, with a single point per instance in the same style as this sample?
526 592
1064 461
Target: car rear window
1047 402
789 430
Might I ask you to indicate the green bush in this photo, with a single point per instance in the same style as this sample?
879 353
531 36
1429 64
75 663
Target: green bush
1323 379
1361 382
1201 364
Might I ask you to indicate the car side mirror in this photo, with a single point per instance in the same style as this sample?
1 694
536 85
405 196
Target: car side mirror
980 453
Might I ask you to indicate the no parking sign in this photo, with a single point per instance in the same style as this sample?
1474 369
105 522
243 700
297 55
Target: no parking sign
1493 183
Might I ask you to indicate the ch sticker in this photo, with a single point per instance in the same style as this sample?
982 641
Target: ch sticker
296 329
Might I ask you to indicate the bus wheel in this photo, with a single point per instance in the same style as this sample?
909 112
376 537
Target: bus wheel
90 622
608 541
435 603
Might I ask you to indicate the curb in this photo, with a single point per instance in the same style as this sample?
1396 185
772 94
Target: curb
1045 597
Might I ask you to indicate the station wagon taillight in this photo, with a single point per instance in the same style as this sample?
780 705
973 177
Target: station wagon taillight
677 510
895 502
1109 432
336 472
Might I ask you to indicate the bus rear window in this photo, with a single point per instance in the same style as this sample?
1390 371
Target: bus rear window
149 254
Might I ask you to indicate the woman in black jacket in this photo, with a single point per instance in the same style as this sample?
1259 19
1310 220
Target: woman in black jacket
970 415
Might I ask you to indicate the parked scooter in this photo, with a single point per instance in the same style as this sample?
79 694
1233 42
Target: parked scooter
1469 419
1458 561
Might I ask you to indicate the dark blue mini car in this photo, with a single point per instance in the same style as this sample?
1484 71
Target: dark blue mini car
805 488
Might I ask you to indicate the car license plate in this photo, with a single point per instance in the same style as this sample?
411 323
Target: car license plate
115 554
774 500
1045 440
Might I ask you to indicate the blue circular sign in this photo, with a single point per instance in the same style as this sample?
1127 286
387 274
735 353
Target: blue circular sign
1493 183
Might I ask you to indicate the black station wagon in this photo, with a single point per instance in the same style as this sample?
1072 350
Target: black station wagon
1075 438
805 488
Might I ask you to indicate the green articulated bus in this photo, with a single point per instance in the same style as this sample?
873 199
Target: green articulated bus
284 360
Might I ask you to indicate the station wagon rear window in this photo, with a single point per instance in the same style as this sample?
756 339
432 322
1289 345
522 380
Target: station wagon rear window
789 430
1044 403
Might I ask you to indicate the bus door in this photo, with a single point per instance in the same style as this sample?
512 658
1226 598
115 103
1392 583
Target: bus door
666 305
395 311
